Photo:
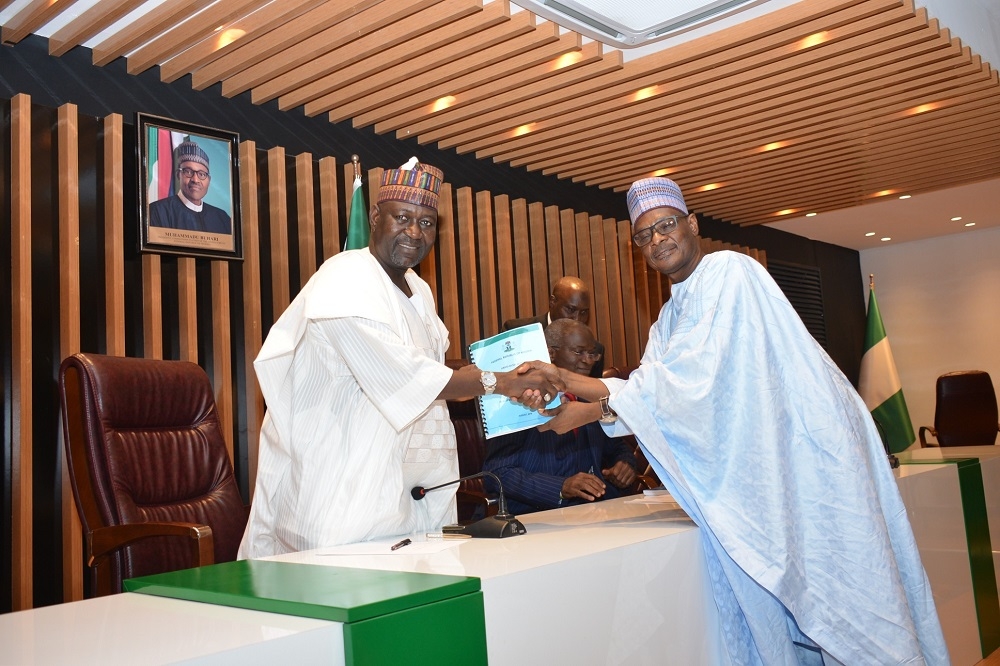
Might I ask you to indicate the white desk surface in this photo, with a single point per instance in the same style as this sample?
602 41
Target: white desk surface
131 629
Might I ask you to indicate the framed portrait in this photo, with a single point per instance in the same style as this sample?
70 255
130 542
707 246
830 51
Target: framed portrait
189 201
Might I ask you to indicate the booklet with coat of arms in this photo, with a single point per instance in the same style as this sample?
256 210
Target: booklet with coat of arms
502 353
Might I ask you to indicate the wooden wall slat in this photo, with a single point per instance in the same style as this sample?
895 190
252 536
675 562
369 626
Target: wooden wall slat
187 309
222 364
348 193
152 307
615 294
252 323
467 266
523 268
539 265
629 312
570 251
68 151
601 310
328 219
447 296
306 216
585 268
642 292
114 236
485 242
278 223
553 245
22 574
505 259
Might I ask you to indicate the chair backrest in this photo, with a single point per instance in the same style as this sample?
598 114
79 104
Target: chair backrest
471 444
966 409
144 444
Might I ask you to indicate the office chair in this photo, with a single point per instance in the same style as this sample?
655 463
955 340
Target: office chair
153 483
966 411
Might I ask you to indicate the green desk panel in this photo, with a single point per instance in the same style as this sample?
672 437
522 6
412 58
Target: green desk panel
388 616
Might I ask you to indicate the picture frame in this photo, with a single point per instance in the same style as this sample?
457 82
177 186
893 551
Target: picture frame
189 200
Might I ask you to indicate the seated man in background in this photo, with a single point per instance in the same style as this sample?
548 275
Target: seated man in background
570 299
545 470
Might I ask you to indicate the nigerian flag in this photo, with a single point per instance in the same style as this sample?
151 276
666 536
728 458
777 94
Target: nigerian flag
879 384
357 225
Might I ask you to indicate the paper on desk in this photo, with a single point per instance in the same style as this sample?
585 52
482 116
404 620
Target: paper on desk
385 548
653 499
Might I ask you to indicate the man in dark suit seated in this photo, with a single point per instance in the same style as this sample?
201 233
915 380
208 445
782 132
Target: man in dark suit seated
570 299
544 470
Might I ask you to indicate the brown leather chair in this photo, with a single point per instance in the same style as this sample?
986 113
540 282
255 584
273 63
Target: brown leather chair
966 411
151 476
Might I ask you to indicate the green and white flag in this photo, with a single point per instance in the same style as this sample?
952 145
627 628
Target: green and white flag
879 383
357 225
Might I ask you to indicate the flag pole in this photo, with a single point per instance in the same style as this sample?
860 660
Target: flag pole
356 161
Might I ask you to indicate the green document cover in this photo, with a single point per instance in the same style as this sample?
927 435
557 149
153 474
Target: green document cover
502 353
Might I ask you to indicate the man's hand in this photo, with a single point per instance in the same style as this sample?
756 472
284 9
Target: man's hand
583 486
621 474
532 384
570 414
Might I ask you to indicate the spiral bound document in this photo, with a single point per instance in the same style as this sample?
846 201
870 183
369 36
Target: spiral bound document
502 353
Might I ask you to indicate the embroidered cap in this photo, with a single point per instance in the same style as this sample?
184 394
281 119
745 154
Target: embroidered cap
649 193
189 151
413 182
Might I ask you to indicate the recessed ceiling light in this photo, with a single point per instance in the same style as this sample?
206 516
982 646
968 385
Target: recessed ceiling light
905 196
442 103
662 172
886 238
970 224
709 187
810 214
956 219
870 233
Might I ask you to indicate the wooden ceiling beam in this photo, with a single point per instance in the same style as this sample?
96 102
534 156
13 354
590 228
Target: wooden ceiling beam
233 36
32 16
782 27
786 67
143 29
89 24
354 28
829 130
874 105
915 85
451 43
512 57
971 153
691 126
188 33
270 40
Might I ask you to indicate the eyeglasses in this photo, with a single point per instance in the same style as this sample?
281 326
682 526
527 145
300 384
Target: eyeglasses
590 354
663 226
200 175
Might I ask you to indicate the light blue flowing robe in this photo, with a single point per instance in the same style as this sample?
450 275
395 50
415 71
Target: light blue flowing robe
763 441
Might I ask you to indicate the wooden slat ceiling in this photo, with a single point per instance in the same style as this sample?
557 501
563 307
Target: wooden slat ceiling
820 105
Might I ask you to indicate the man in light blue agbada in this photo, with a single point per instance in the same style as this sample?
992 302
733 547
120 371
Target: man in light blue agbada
770 450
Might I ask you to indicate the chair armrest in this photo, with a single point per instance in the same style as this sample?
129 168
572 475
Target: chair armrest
476 497
923 442
106 540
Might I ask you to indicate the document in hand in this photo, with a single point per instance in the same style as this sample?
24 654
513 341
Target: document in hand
502 353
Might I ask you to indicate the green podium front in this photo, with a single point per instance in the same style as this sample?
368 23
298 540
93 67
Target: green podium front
388 616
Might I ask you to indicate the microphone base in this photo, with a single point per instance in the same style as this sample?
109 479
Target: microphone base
492 527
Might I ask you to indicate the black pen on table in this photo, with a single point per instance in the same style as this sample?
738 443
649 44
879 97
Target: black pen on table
404 542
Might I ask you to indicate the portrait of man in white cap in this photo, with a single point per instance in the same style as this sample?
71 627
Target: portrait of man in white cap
187 209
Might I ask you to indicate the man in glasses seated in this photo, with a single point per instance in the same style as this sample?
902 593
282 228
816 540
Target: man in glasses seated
544 470
570 299
187 209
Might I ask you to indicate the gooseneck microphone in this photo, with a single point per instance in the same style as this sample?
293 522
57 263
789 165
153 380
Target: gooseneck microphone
503 524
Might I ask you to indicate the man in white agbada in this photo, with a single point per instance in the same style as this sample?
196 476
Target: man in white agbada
353 377
763 441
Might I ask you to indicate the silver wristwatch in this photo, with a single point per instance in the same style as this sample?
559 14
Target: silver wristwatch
489 381
607 414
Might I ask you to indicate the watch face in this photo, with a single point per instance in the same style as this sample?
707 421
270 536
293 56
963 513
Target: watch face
489 379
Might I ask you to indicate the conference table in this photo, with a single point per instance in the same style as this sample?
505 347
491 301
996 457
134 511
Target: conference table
620 581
